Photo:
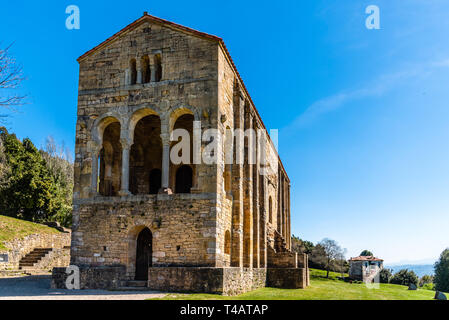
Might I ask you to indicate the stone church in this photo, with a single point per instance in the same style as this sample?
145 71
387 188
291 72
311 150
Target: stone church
140 219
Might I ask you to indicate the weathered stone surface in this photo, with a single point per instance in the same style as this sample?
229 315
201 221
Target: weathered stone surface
99 277
226 281
289 278
18 248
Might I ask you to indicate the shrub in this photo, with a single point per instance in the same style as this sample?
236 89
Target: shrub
385 275
404 277
425 279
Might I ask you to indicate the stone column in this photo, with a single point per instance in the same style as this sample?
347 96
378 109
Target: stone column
94 180
139 76
165 164
126 146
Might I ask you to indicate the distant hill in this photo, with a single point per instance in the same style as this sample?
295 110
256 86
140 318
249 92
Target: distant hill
419 269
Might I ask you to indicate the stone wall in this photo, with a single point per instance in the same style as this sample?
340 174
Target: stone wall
103 277
18 248
282 259
183 228
226 281
287 278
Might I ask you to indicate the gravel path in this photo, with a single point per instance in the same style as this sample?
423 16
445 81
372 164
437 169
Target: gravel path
38 288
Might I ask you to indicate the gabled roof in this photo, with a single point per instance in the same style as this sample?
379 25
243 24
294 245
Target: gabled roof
146 17
149 18
365 258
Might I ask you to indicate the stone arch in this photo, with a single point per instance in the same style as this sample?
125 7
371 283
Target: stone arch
101 123
176 112
136 117
146 149
110 159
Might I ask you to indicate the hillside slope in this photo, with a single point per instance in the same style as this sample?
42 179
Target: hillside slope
11 228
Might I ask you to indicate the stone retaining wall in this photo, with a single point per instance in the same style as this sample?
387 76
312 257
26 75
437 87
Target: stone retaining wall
18 248
226 281
287 278
103 277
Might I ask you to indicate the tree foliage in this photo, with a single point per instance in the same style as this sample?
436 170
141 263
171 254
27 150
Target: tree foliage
366 253
385 275
332 253
404 277
301 246
441 279
425 279
37 186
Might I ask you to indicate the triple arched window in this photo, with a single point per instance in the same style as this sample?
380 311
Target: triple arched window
147 69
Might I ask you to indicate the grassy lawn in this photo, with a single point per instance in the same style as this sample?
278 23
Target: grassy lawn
11 228
321 289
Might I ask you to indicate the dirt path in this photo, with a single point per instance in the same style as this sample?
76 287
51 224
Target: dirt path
38 288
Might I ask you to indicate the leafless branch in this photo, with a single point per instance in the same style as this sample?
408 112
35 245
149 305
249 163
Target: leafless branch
11 76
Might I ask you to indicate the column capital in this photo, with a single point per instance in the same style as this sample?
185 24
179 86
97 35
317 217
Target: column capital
126 143
165 137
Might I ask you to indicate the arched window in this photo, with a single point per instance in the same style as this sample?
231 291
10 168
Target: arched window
270 208
155 181
146 156
227 242
132 71
183 179
110 161
146 72
158 66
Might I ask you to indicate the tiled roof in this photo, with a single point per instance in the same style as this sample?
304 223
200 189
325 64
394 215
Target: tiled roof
365 258
147 17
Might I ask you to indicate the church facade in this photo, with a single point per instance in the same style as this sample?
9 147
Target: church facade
218 219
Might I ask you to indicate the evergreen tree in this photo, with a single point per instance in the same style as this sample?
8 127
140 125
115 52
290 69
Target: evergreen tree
441 279
32 188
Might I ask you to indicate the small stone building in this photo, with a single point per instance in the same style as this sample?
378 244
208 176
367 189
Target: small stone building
190 226
365 268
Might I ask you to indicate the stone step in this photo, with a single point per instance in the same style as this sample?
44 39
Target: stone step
130 289
136 283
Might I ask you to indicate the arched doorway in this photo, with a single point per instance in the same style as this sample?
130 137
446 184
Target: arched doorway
144 253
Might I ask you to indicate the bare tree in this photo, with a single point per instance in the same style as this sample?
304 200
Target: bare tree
11 76
332 251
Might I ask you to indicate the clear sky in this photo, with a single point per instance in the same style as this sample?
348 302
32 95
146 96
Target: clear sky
363 114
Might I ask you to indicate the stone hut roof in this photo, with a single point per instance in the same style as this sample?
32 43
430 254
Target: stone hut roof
365 258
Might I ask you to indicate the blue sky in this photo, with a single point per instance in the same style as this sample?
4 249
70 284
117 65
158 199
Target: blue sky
363 114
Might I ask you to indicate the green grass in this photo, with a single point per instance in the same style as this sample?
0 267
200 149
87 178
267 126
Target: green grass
11 228
321 289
